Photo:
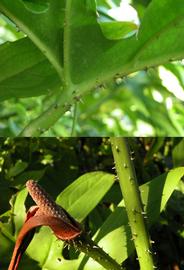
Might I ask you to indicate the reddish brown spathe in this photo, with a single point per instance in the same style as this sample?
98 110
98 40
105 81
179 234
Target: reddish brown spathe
46 213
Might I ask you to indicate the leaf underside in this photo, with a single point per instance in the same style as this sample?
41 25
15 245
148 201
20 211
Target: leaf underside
91 57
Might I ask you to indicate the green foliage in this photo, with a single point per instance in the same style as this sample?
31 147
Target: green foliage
26 69
91 185
78 173
73 61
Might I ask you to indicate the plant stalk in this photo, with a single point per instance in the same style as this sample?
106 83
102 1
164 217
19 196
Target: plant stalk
90 248
49 117
69 95
130 190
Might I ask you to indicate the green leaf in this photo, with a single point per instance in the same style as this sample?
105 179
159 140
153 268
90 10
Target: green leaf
26 72
40 253
5 247
161 27
118 30
19 210
177 154
115 236
16 169
118 22
91 5
44 29
90 187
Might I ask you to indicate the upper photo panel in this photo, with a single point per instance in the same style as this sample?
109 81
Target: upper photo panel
91 68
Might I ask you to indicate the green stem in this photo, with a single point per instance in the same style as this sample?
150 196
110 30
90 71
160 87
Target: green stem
50 116
88 246
68 96
130 190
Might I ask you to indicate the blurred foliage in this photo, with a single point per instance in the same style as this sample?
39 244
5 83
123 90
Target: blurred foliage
57 162
146 103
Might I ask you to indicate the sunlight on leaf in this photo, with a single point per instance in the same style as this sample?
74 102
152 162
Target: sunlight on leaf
118 22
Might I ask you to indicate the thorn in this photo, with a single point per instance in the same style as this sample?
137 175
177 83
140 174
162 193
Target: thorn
149 251
152 242
56 106
117 149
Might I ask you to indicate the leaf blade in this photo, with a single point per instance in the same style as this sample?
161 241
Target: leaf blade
26 72
89 185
